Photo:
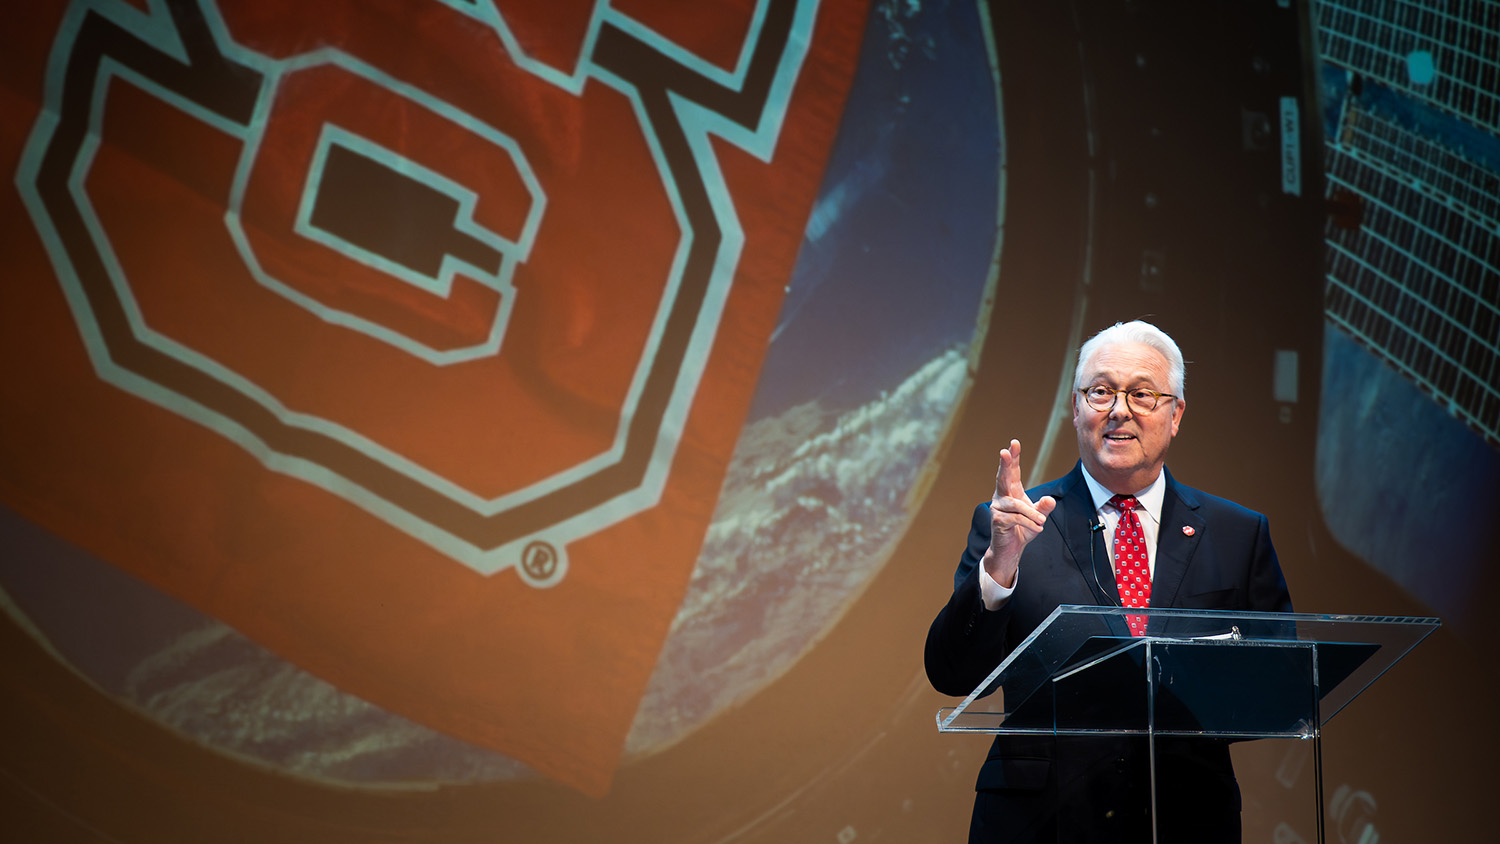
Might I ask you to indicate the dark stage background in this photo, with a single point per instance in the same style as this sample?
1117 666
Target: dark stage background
456 420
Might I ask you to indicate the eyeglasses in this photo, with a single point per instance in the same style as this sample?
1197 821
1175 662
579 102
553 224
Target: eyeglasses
1139 400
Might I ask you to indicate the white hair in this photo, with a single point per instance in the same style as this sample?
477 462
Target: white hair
1136 331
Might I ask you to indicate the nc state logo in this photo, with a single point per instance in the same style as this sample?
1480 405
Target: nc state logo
466 288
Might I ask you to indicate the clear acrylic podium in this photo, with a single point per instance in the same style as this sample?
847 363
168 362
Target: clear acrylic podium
1197 673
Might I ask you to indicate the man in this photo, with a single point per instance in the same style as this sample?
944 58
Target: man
1030 551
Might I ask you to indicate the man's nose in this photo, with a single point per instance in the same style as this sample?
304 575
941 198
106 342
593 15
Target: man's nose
1121 408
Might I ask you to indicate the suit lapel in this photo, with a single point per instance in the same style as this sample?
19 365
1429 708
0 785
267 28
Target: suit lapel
1175 546
1075 513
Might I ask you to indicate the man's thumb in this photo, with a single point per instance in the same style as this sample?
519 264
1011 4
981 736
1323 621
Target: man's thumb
1046 505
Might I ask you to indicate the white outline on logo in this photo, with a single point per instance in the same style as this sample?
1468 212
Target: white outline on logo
698 124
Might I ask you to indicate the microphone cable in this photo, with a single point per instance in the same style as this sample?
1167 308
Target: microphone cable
1096 526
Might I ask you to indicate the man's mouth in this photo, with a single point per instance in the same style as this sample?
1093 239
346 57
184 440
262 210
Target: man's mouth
1119 437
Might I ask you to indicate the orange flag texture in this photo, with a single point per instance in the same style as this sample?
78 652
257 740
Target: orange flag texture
411 338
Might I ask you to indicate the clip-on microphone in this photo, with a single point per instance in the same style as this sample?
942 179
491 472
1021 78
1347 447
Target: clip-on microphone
1094 527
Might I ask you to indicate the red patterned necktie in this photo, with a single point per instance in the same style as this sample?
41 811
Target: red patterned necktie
1132 568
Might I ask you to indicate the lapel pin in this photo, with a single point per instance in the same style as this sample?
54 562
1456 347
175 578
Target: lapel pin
1187 530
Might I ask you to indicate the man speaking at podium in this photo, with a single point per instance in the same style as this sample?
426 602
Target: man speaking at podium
1118 530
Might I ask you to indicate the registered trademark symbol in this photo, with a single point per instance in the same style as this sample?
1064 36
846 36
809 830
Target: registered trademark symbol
539 560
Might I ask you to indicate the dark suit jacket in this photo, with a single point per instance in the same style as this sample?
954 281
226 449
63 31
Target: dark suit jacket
1227 563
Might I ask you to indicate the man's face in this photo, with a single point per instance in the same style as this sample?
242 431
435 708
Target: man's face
1122 449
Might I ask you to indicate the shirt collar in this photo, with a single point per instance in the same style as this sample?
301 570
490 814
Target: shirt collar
1149 499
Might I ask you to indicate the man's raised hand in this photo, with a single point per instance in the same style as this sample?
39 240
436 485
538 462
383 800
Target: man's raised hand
1014 518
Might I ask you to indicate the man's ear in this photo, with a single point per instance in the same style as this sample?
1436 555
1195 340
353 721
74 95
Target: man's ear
1177 412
